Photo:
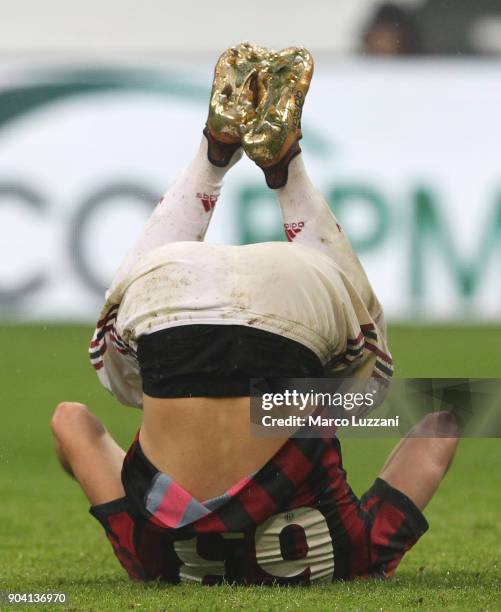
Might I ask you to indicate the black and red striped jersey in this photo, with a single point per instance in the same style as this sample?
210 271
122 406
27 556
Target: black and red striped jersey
295 521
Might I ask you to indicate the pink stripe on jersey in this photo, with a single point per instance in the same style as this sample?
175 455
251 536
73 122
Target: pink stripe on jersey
173 505
236 488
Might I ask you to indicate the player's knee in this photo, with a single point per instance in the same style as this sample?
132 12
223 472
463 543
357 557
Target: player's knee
66 417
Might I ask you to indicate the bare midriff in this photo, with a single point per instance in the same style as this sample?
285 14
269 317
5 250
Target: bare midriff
204 444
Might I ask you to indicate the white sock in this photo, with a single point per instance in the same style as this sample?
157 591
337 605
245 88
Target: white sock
309 220
185 210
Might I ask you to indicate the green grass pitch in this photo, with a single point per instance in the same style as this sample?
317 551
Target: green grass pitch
49 542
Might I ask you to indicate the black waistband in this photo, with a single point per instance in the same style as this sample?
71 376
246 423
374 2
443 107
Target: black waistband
218 360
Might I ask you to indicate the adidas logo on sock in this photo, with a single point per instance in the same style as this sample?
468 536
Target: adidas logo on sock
208 200
293 229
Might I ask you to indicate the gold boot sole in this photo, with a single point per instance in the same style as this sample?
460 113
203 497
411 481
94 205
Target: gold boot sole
283 82
234 91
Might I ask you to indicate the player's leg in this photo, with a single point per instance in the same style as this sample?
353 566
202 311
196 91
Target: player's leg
87 452
184 212
418 463
308 219
272 142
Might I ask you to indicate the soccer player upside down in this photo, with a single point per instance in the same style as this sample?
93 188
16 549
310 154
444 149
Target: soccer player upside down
186 324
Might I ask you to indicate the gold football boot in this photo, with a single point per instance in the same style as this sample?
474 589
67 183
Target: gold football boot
271 136
233 99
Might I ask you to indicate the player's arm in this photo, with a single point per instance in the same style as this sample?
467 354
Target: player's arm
418 463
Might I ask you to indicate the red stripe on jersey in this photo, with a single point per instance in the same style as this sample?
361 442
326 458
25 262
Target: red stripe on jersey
211 523
113 310
368 327
357 340
293 463
385 526
121 537
379 353
257 502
